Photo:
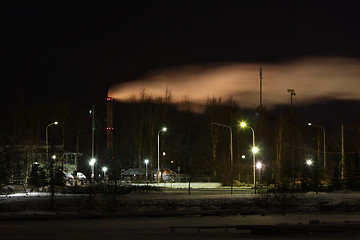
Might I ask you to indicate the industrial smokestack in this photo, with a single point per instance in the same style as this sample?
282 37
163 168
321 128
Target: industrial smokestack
110 128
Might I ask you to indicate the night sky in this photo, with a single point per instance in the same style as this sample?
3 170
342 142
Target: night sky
56 51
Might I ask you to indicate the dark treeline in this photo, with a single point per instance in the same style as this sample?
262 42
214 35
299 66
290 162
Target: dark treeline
192 144
23 136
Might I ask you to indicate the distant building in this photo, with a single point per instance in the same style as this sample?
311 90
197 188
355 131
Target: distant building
22 158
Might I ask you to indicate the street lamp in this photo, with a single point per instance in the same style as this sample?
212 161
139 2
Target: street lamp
146 168
259 165
292 93
52 186
231 151
309 162
164 129
92 112
46 139
254 150
323 129
92 163
104 169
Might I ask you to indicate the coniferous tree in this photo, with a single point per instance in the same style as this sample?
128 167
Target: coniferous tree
352 179
336 182
34 178
316 175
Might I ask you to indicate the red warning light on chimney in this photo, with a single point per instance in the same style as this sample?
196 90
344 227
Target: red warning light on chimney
109 99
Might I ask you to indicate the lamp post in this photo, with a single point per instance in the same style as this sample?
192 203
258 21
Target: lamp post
52 183
259 165
92 112
146 168
309 162
104 169
231 151
46 139
323 129
254 151
158 138
292 93
92 164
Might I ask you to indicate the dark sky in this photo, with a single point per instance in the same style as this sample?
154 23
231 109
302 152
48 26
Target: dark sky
77 51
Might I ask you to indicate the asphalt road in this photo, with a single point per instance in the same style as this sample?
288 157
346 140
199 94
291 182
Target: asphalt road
212 227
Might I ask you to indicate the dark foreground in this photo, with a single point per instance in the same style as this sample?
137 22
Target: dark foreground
177 215
292 226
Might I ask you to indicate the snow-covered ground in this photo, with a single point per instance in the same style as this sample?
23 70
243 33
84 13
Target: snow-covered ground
134 213
182 184
173 199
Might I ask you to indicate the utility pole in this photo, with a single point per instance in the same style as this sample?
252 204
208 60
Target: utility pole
93 132
261 86
342 151
92 162
231 153
292 93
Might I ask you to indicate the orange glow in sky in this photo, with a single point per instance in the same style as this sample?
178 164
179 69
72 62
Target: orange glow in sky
314 80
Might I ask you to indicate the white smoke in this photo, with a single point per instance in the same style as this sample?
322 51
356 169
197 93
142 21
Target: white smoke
312 79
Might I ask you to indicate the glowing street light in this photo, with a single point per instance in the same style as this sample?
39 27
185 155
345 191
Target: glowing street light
146 168
104 169
92 164
164 129
254 150
92 112
309 162
47 141
323 129
259 165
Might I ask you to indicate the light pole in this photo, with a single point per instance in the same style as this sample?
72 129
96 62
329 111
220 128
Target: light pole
231 151
104 169
259 165
146 169
254 151
292 93
323 129
52 183
46 139
309 162
158 138
92 112
92 164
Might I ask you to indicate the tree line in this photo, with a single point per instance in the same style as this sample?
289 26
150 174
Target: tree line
192 144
